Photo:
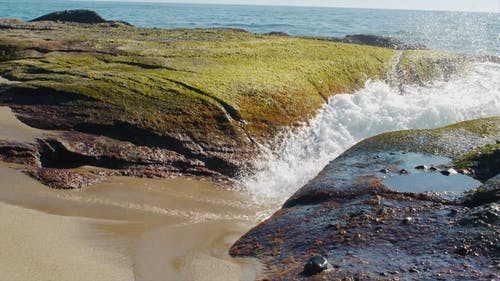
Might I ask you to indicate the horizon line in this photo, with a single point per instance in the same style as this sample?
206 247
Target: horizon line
290 5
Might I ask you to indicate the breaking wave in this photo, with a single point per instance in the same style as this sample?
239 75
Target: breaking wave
377 108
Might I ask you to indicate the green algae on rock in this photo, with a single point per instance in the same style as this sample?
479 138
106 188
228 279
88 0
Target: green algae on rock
208 94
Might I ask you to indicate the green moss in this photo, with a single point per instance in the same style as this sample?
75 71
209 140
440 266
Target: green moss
454 140
194 80
421 66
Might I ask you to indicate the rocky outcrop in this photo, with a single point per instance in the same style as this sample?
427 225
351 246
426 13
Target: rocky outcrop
199 101
80 16
359 214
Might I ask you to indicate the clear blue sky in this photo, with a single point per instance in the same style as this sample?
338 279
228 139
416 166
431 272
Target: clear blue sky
450 5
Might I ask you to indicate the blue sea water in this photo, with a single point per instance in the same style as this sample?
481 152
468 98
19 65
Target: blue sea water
461 32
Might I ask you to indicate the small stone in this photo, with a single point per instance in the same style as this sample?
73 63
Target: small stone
449 172
376 157
393 153
315 265
403 172
413 270
433 169
385 171
421 167
408 220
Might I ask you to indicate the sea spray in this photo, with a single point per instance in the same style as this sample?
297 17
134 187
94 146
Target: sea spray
348 118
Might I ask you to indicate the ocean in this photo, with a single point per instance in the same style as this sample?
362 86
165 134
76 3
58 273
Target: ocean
460 32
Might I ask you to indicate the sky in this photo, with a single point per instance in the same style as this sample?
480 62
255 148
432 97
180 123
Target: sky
448 5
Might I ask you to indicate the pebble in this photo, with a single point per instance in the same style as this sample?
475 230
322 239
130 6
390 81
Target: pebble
408 220
315 265
449 172
421 167
403 172
385 171
413 270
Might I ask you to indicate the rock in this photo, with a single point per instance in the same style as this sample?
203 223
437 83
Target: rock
421 167
231 29
83 79
315 265
404 172
20 153
408 220
277 33
433 169
413 235
381 41
489 192
80 16
449 172
64 179
384 171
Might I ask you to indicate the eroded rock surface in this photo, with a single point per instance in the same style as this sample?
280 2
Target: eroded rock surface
368 231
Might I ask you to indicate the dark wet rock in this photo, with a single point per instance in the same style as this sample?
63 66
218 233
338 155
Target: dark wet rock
381 41
378 231
315 265
449 172
80 16
384 171
408 220
64 179
278 33
58 155
433 169
19 153
231 29
421 167
483 162
487 193
403 172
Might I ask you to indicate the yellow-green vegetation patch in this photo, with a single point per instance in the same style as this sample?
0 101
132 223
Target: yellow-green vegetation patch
268 81
454 140
421 66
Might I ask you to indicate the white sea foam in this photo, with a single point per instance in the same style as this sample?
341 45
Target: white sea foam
376 108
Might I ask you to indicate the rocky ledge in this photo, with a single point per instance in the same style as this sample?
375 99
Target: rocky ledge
154 102
393 207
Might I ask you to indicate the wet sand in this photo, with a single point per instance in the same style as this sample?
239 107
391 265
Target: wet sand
151 229
14 130
121 229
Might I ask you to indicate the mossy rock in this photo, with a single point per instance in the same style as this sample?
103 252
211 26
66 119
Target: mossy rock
215 91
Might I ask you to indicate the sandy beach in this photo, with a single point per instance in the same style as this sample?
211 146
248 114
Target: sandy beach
121 229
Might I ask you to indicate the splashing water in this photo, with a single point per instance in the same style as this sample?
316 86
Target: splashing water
376 108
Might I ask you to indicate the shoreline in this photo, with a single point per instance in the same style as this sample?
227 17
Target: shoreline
122 228
123 217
